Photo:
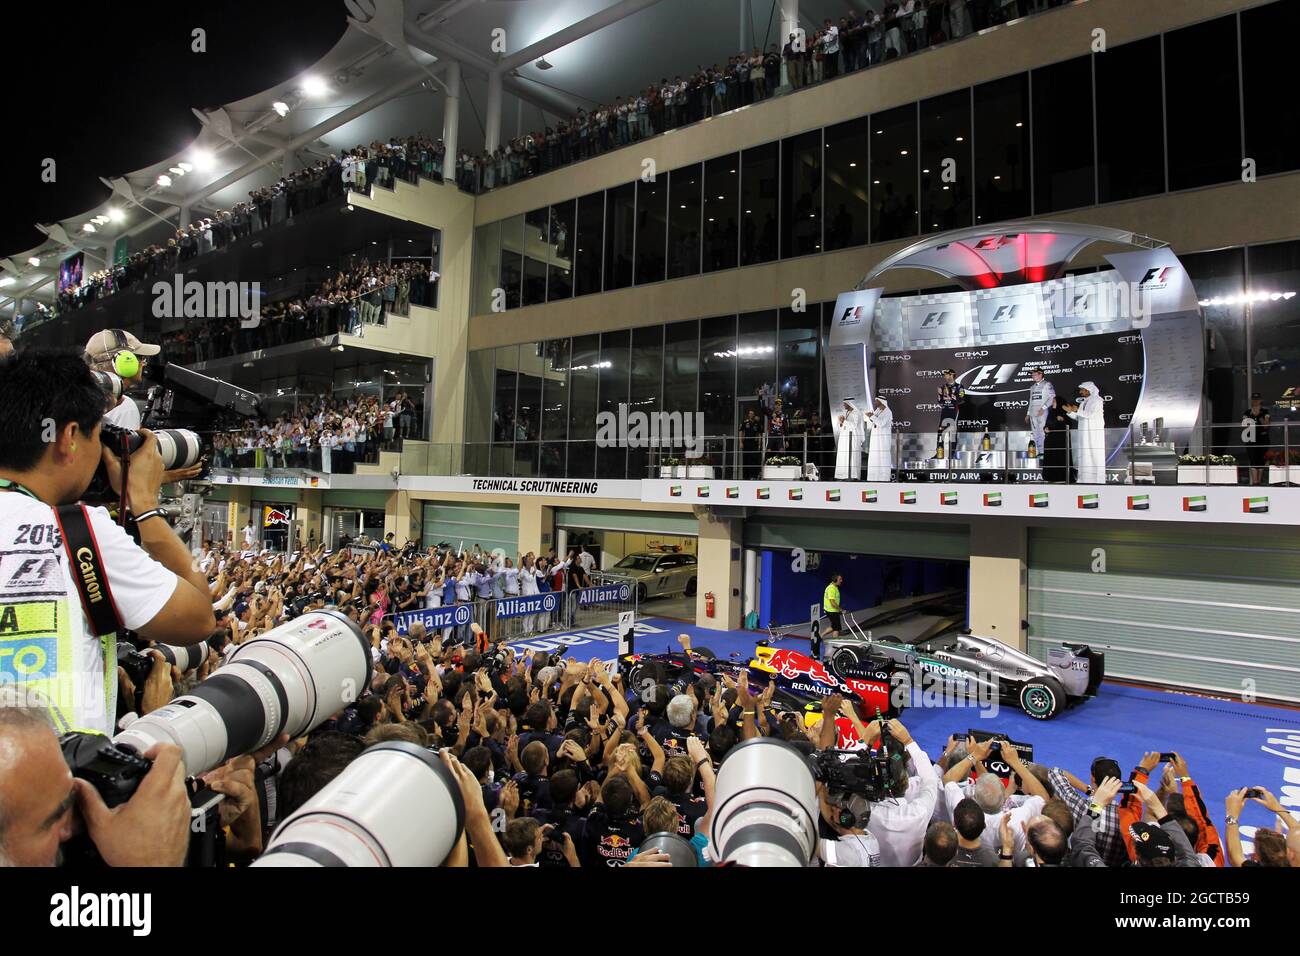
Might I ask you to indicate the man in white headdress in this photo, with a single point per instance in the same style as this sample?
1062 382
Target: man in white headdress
880 453
848 444
1091 434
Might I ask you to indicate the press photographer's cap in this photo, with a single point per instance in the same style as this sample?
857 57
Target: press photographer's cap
104 345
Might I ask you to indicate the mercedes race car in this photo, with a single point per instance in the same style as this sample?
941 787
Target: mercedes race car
925 638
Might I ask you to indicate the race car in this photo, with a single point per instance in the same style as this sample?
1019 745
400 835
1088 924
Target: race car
801 682
925 638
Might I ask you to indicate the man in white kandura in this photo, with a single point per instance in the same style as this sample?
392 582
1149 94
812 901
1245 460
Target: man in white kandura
848 444
1090 414
880 453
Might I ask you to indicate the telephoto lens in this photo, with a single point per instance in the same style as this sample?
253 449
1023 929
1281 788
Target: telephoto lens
138 662
179 447
679 850
765 806
289 680
110 384
397 804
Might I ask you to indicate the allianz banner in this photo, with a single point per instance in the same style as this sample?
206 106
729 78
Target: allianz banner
434 618
533 604
997 379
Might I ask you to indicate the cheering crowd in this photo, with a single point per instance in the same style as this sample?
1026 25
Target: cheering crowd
347 302
326 435
854 42
380 163
561 764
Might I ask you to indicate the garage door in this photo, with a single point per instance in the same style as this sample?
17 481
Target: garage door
492 526
1206 611
904 539
647 522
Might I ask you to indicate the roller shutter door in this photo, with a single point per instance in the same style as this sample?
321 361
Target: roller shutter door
904 539
1210 611
492 526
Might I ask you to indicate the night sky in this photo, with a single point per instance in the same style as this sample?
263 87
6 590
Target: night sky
106 88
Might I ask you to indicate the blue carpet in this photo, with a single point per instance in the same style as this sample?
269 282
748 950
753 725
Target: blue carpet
1227 744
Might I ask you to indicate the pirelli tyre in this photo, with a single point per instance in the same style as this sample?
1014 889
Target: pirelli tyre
704 652
844 658
690 587
644 674
1042 698
641 594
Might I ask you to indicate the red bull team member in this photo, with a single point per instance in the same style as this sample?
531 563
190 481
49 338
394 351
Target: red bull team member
50 454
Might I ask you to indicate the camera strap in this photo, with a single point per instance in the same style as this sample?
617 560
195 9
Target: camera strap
87 569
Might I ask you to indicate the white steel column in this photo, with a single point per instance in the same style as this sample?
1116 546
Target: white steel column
492 133
451 121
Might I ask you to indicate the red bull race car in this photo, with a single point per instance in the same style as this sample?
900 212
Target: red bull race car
802 682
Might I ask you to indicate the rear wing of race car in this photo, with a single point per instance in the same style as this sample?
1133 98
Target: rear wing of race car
1079 668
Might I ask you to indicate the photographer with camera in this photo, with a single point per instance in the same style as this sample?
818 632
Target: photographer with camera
118 352
91 578
38 794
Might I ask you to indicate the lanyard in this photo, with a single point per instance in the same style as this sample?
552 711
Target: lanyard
6 484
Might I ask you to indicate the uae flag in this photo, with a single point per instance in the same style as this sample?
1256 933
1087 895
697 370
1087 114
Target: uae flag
675 491
733 492
1141 502
1195 503
907 497
869 497
763 494
1038 500
1089 501
947 497
796 494
832 494
992 499
1254 505
701 491
314 481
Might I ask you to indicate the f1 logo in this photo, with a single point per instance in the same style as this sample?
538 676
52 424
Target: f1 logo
1006 313
934 320
993 375
852 315
1156 276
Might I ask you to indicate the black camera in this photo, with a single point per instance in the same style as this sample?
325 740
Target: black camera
179 447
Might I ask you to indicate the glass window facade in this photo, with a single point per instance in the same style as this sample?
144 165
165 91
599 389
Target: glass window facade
1064 136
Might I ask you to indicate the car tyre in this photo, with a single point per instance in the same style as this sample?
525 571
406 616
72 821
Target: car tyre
690 587
1042 698
641 594
704 652
844 658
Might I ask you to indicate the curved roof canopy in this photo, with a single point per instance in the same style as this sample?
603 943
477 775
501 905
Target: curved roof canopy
1013 253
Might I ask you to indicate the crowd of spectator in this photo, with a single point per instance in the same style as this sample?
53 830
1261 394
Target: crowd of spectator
380 163
346 303
854 42
561 764
326 434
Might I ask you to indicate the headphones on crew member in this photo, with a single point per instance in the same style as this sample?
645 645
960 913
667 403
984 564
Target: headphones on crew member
125 362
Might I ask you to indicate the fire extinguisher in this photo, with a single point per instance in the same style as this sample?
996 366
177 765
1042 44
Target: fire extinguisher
709 604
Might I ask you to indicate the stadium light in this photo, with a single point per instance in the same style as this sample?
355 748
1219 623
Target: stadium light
203 160
88 227
164 180
34 261
117 215
314 86
281 108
